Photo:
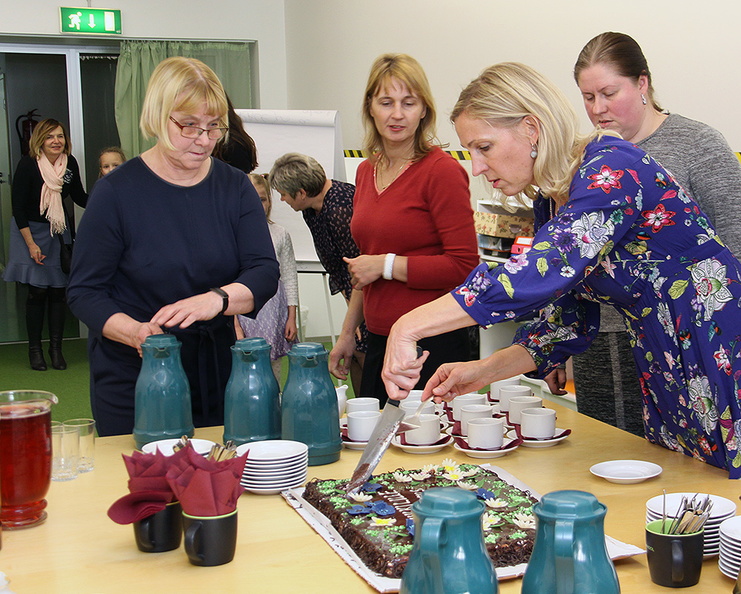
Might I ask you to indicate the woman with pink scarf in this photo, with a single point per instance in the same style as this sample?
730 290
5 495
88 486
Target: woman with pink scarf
40 226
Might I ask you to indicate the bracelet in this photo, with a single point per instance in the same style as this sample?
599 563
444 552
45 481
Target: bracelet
224 296
388 266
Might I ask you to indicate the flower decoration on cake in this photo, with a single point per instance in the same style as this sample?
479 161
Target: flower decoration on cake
383 509
524 521
371 487
410 527
383 521
490 520
421 476
358 510
485 494
467 486
402 478
496 503
449 465
429 469
454 475
471 471
359 497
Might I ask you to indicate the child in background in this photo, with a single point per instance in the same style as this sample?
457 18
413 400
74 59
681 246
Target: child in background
109 159
276 321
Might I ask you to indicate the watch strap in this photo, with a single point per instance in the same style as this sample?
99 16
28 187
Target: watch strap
224 297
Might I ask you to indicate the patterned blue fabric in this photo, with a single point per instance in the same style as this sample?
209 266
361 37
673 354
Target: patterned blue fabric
629 236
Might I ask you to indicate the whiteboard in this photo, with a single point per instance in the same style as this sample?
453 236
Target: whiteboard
316 133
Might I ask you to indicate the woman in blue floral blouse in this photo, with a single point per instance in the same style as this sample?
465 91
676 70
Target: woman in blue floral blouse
623 233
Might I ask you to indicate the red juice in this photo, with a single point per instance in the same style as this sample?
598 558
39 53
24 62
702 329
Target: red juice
25 463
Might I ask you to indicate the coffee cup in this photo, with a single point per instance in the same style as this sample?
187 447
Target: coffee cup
494 387
427 433
210 540
473 411
356 404
519 403
486 433
506 393
674 560
537 423
160 532
410 407
360 424
465 399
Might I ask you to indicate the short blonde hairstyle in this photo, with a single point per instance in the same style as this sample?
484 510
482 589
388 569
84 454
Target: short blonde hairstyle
506 93
41 131
410 72
181 84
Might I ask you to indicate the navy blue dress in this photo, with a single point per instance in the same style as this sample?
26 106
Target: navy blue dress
145 243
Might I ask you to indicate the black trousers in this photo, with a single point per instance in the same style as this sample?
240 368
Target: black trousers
444 348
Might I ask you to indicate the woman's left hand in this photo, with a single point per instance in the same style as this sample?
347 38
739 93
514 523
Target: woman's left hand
291 331
365 269
183 313
401 367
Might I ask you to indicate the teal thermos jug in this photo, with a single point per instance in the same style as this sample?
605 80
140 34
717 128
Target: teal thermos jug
162 394
570 554
252 399
309 411
449 555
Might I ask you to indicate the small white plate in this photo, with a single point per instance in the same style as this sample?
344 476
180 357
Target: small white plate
274 491
201 446
273 450
539 443
626 472
488 453
731 528
422 449
721 505
354 445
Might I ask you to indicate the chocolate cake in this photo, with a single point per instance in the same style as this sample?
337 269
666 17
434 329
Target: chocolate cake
377 522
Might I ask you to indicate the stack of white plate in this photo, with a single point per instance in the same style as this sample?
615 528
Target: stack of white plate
722 510
730 547
274 466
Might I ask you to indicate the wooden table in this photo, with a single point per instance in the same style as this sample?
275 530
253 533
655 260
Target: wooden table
79 549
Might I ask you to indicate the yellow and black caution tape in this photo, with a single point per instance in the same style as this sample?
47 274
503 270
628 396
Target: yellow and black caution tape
459 155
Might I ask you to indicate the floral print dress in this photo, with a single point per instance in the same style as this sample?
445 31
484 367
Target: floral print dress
629 236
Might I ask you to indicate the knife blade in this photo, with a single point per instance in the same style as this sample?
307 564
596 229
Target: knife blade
387 426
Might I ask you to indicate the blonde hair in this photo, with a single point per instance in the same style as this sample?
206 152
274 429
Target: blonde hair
181 84
261 179
506 93
116 150
407 70
41 131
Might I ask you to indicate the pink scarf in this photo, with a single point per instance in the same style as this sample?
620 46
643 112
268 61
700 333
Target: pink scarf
51 191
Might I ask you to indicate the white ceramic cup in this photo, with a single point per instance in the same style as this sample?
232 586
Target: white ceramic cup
410 407
414 395
495 386
506 393
356 404
360 424
474 411
519 403
428 432
486 433
464 400
537 423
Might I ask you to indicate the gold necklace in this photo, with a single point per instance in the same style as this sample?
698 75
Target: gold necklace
393 179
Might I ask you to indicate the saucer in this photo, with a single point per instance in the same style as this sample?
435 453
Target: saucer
538 443
626 472
422 449
503 451
166 446
354 445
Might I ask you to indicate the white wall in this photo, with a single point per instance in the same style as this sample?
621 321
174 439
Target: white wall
245 20
692 49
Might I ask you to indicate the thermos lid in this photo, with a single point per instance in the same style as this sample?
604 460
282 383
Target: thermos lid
255 343
161 341
447 502
307 349
568 505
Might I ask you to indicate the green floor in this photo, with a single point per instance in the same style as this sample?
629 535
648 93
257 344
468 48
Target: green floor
71 386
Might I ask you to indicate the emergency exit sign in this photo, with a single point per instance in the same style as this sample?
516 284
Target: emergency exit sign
100 21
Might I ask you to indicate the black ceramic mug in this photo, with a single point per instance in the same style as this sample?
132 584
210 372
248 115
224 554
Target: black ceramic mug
160 532
210 540
674 560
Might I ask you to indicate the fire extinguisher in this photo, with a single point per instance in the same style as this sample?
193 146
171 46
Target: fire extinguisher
24 125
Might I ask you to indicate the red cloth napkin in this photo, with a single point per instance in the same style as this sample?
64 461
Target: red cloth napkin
149 491
206 488
443 438
463 443
563 433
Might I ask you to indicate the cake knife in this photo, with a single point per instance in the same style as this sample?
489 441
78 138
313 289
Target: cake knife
390 423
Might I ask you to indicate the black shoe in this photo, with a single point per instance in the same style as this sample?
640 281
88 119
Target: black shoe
57 358
36 357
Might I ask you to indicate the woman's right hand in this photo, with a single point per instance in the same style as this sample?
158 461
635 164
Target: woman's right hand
341 356
453 379
35 252
126 330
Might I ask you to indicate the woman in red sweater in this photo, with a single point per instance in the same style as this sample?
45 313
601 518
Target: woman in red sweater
412 222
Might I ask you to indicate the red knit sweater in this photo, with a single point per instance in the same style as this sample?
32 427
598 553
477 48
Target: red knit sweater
426 215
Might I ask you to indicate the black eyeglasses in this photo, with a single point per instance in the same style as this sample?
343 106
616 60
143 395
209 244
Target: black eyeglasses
195 131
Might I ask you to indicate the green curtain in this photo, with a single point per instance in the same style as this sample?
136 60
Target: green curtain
231 61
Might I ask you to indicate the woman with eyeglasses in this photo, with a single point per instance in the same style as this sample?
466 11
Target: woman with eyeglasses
173 241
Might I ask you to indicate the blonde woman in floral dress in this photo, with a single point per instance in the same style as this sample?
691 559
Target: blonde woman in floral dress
624 233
